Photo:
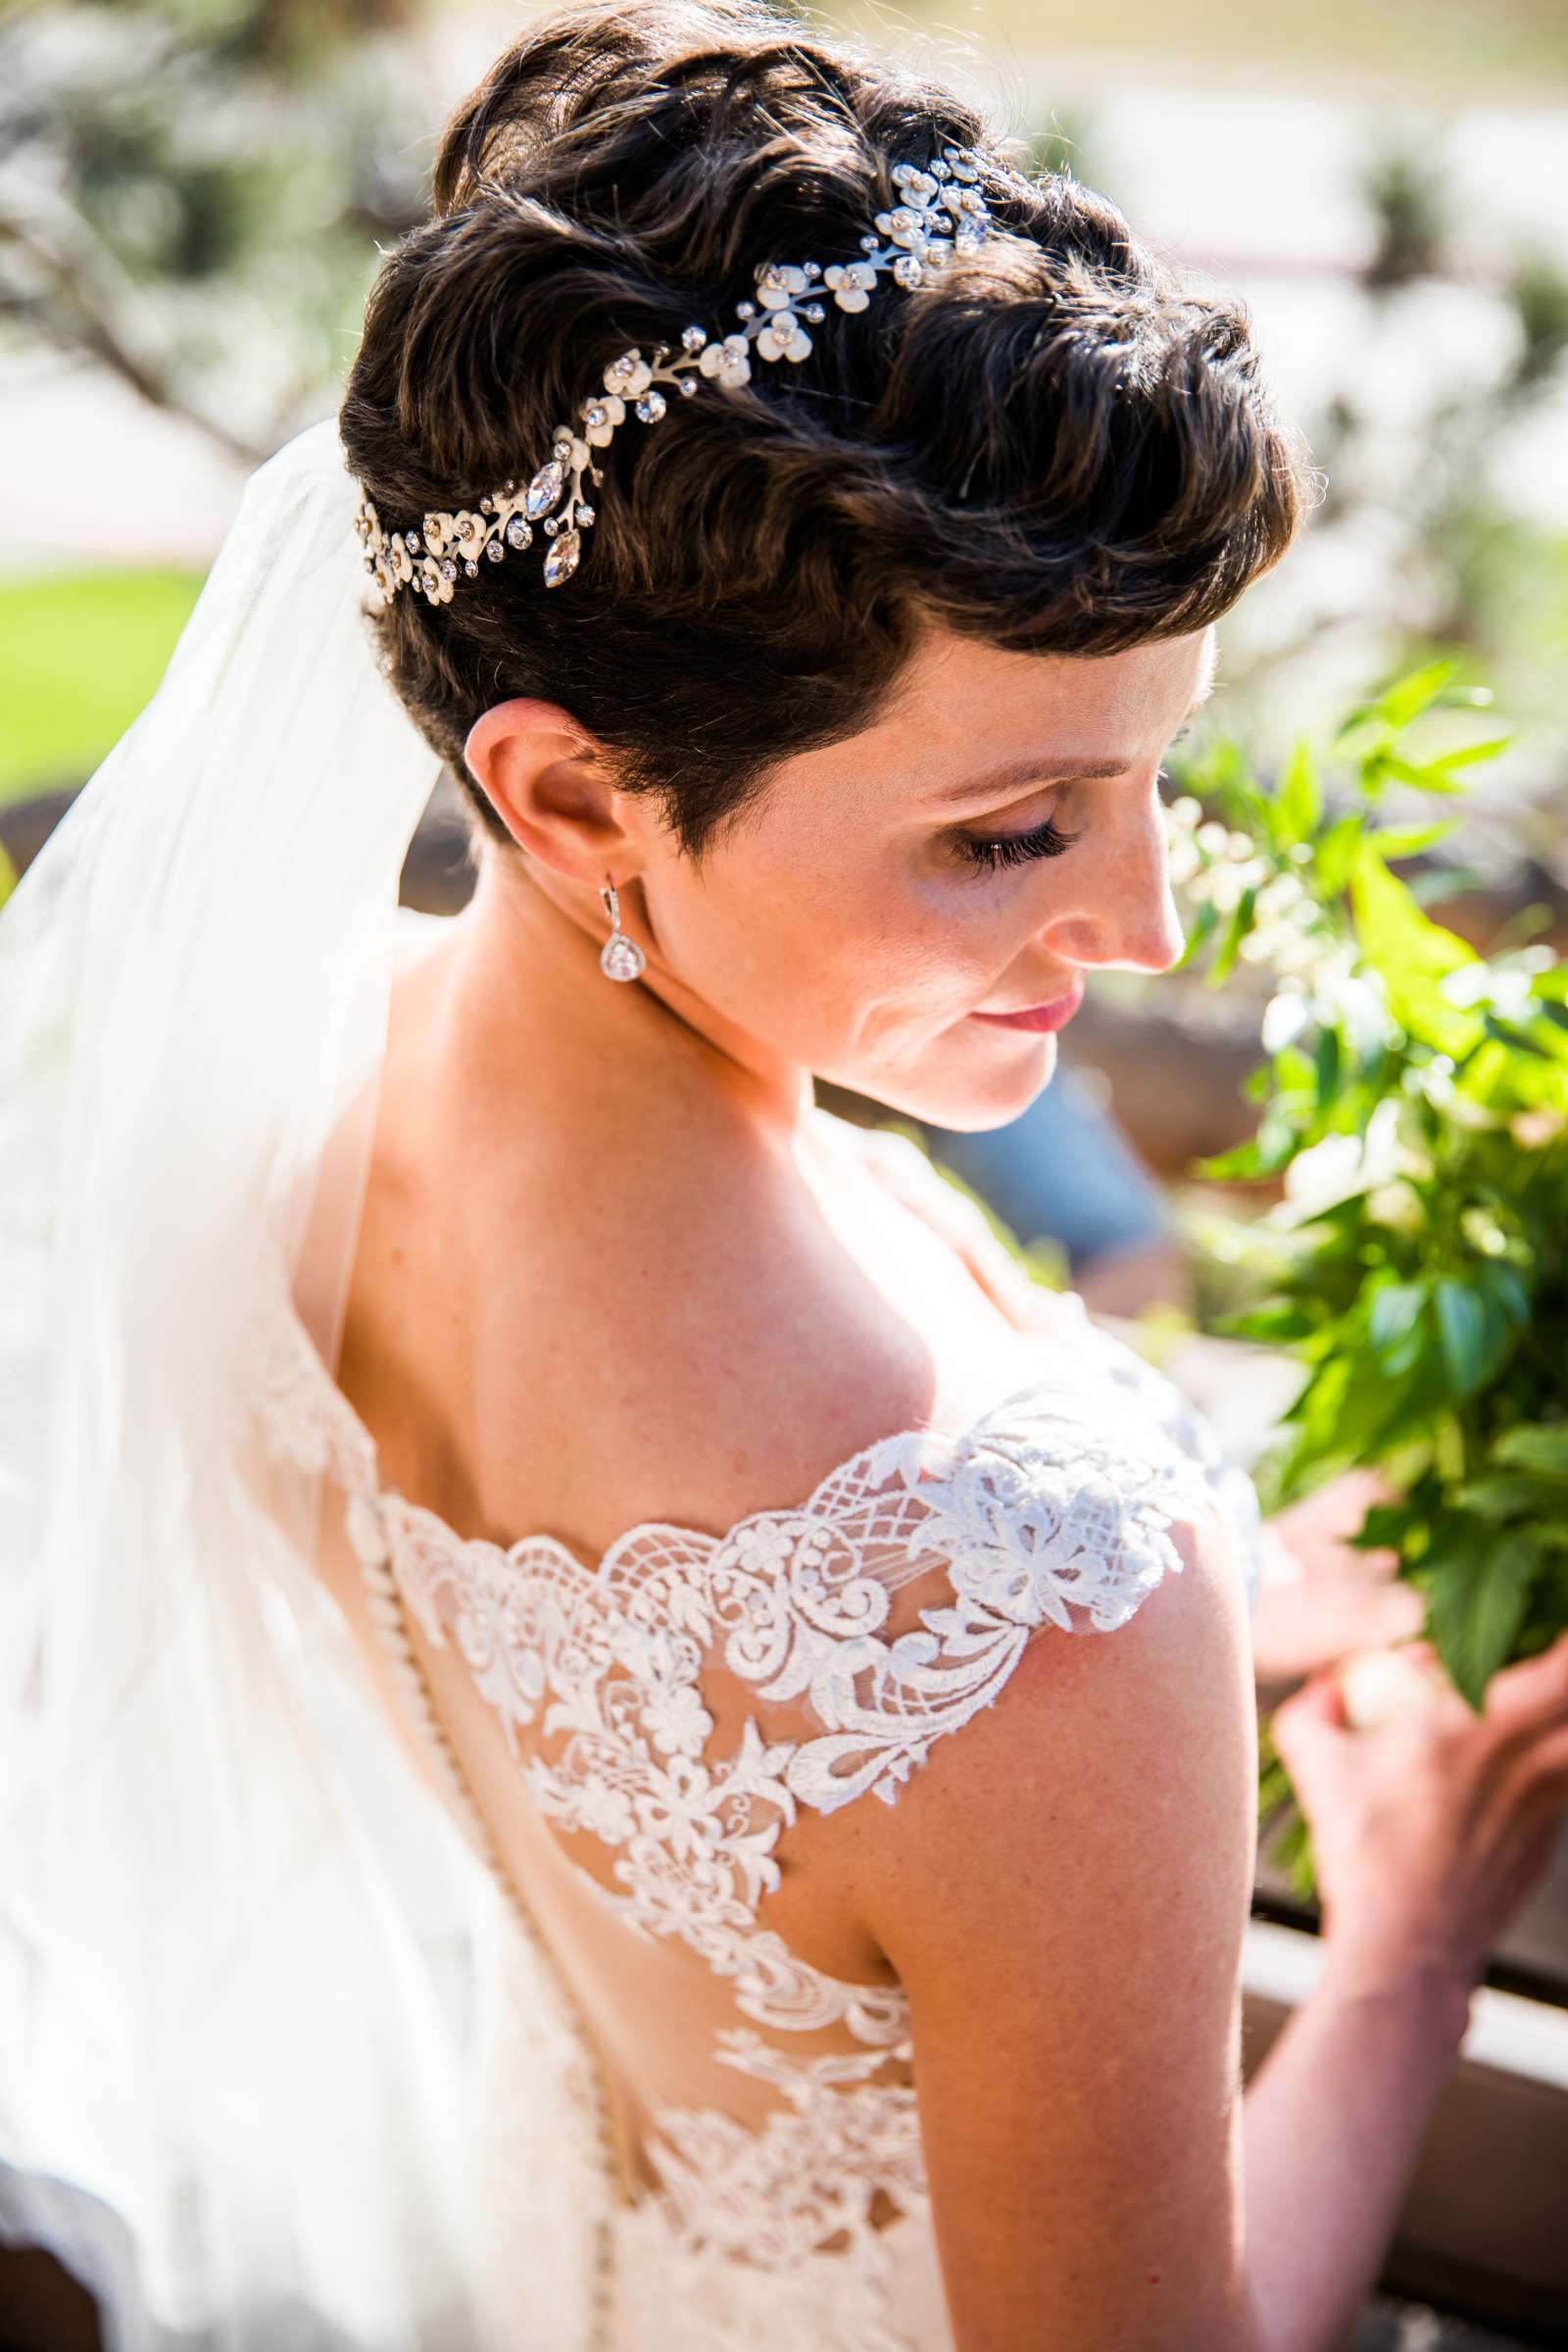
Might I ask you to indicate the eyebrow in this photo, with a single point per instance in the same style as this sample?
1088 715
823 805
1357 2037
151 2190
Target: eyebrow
1047 767
1050 767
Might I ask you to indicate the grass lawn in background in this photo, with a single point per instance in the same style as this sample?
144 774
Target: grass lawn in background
79 655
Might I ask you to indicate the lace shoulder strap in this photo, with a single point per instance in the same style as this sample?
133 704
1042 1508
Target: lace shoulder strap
1152 1394
1047 1512
869 1620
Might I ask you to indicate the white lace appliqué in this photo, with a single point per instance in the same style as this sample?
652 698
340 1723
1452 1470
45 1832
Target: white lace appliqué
1056 1508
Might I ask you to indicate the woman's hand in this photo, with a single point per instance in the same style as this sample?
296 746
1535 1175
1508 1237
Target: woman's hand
1319 1598
1430 1830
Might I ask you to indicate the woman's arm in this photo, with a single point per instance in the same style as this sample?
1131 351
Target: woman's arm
1063 1890
1333 2122
1428 1833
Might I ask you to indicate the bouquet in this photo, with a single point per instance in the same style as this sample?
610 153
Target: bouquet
1414 1110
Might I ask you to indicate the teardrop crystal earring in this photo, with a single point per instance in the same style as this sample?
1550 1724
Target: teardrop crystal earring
620 958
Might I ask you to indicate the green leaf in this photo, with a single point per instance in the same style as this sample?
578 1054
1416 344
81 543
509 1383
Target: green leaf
1425 779
1223 780
1241 923
1409 696
1476 1606
1393 1323
1335 855
1514 1498
1412 956
1449 1452
1385 1527
1388 919
1469 1334
1277 1324
1277 1142
1300 802
1198 937
1471 755
1326 1067
1243 1159
1517 1041
1408 841
1535 1446
1508 1288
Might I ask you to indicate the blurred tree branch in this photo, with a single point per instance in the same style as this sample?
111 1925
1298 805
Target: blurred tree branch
192 193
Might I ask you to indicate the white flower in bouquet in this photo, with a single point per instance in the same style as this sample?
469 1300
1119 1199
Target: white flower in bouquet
1340 1166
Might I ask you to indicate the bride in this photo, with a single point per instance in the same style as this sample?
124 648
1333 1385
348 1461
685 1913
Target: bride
557 1793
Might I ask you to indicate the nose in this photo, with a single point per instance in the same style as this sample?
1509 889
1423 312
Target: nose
1121 914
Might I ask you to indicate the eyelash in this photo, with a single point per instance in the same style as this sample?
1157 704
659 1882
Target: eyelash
989 856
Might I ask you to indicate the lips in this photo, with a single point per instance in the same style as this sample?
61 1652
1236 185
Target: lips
1054 1014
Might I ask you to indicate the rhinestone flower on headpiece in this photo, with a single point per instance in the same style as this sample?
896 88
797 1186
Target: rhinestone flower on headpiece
942 213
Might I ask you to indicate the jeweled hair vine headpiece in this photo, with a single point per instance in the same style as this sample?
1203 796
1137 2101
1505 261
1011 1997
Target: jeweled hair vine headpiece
942 213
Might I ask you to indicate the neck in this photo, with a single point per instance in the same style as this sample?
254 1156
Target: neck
524 980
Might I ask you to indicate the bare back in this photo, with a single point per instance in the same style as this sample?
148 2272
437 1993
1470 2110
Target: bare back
690 1433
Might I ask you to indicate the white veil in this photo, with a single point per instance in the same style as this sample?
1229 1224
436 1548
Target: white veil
263 2011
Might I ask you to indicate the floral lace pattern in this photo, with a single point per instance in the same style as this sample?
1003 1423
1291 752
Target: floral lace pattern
1055 1507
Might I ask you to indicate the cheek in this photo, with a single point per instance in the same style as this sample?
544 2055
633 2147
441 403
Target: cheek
816 944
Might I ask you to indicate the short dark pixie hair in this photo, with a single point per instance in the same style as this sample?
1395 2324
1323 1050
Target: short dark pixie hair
1054 448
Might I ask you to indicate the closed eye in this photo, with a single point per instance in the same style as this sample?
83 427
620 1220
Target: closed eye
988 852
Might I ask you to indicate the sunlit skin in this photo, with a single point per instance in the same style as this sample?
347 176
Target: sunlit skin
840 928
608 1275
843 926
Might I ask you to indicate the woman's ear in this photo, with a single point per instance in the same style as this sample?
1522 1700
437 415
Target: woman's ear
551 786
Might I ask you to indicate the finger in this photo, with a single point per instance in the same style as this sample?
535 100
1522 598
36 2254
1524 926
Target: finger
1317 1620
1316 1530
1532 1785
1528 1696
1405 1684
1540 1765
1392 1613
1312 1721
1532 1846
1364 1491
1541 1837
1381 1614
1348 1498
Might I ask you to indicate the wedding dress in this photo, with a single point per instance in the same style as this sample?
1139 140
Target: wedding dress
302 2050
671 1710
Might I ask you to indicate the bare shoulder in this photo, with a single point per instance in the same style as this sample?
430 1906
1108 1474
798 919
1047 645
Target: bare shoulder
651 1315
898 1163
1156 1717
1062 1890
766 1355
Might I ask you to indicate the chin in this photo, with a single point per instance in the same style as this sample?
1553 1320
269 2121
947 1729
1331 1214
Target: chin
977 1090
